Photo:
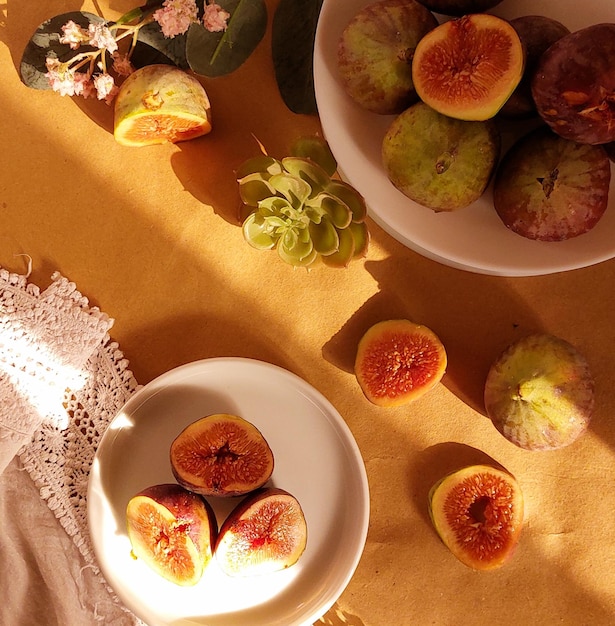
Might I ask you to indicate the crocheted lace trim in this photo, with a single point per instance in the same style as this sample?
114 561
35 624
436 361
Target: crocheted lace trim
62 380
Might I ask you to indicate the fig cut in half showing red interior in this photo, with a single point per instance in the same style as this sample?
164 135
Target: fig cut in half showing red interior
398 361
478 513
221 455
467 68
265 533
173 531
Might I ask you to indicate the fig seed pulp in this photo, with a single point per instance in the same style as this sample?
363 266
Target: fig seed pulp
478 513
221 455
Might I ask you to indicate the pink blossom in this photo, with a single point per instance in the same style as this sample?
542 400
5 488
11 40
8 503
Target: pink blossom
61 79
175 16
84 85
73 35
215 18
105 86
122 65
101 37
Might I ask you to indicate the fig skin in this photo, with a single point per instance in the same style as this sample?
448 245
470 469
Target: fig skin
551 189
221 455
478 512
458 8
539 393
398 361
537 34
439 162
574 85
173 531
467 68
265 533
375 54
172 102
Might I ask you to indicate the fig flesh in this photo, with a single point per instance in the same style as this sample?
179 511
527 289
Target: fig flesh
574 85
478 513
398 361
265 533
537 34
221 455
550 188
468 67
173 531
160 104
440 162
459 7
375 54
539 393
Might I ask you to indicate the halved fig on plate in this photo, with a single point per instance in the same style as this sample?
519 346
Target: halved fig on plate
221 455
173 531
265 533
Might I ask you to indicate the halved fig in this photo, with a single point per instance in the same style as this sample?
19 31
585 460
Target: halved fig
221 455
539 392
574 85
173 531
468 67
478 513
265 533
550 188
440 162
398 361
375 54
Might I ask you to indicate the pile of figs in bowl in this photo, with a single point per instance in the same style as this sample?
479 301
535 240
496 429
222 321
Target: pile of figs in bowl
480 132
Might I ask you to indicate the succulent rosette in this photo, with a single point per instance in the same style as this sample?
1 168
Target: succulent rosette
294 206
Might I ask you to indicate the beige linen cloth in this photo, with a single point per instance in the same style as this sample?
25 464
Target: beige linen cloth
62 380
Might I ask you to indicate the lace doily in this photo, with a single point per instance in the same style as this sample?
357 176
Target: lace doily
62 379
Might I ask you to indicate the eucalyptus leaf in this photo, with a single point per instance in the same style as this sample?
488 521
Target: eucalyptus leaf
292 46
46 41
153 47
216 54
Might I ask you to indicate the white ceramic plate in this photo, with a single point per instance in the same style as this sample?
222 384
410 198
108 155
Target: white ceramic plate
316 459
473 238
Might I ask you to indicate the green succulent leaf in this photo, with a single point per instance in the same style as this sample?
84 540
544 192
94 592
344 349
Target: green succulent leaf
253 188
218 54
360 234
338 211
263 164
324 236
307 170
295 190
292 46
345 252
316 149
257 233
351 197
298 257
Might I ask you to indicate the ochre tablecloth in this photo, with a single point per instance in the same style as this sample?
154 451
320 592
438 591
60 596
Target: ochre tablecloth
149 235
